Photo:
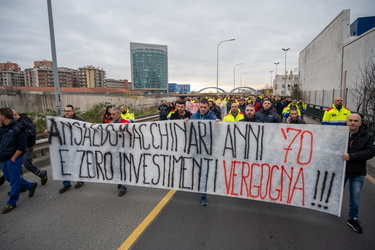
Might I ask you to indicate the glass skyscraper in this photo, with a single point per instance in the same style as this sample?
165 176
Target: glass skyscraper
149 66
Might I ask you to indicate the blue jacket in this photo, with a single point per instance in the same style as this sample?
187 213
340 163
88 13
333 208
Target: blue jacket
12 138
208 116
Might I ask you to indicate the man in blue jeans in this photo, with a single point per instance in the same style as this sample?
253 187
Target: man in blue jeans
31 139
12 147
360 149
204 113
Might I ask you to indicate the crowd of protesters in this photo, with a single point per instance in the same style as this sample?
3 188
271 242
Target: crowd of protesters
18 135
233 108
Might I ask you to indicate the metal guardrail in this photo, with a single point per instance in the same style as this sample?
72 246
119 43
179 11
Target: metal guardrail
148 118
317 112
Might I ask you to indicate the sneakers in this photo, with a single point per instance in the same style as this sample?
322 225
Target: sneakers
64 189
8 208
32 191
122 190
44 178
355 225
204 201
79 184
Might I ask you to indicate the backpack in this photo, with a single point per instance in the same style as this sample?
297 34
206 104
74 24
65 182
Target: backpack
29 128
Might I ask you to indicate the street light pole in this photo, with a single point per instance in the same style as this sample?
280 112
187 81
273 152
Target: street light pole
285 67
276 63
217 64
241 79
54 60
234 74
271 77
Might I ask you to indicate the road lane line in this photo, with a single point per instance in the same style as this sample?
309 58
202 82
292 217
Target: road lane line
144 224
370 178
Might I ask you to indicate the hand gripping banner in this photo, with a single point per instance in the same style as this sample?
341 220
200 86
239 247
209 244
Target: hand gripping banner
298 165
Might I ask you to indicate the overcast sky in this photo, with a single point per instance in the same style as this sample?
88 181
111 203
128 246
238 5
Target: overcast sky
98 33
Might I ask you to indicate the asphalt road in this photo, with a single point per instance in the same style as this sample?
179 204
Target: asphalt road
94 217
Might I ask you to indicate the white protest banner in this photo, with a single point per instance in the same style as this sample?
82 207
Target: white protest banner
298 165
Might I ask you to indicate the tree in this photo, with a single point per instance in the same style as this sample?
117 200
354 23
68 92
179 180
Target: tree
365 88
295 91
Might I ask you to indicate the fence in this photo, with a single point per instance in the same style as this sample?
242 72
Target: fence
317 112
325 97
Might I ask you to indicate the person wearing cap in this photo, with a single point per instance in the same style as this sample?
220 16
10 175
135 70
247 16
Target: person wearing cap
287 109
242 103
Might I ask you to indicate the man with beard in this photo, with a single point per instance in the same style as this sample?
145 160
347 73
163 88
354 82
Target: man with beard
250 114
337 115
360 149
293 117
204 113
215 108
266 115
180 113
234 114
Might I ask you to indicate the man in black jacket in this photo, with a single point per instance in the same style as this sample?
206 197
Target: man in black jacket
31 139
163 110
266 115
250 114
12 147
70 114
180 113
360 149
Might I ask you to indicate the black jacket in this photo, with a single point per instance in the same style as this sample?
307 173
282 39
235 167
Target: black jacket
361 148
12 138
30 130
297 121
267 116
75 117
279 105
217 111
176 116
247 119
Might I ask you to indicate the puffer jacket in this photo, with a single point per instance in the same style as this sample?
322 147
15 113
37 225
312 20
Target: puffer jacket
208 116
267 116
12 138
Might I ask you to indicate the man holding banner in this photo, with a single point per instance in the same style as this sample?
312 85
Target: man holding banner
180 113
116 118
360 149
69 113
204 114
250 114
234 114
